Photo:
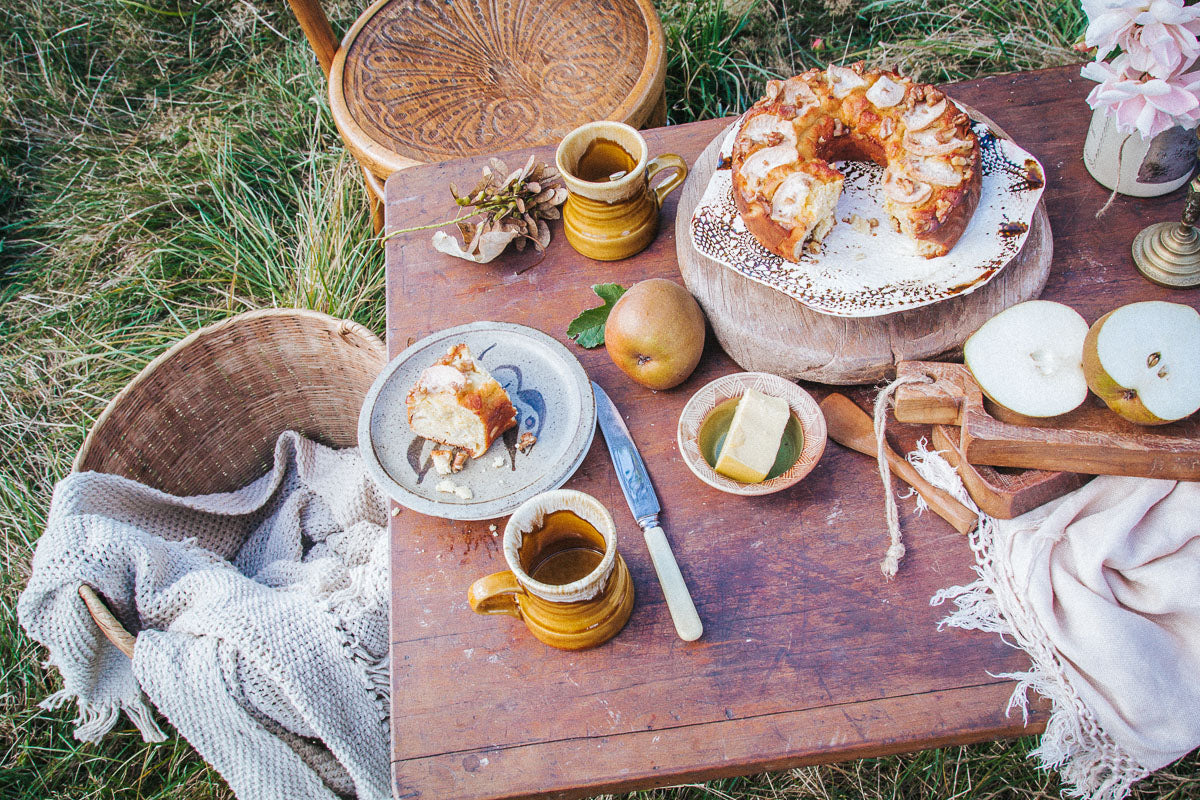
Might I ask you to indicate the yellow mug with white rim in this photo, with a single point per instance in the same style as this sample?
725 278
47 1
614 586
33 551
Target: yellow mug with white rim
611 210
565 579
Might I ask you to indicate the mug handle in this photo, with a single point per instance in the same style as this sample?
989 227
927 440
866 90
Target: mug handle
667 161
496 594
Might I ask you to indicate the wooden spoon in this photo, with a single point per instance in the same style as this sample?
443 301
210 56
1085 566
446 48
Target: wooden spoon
852 427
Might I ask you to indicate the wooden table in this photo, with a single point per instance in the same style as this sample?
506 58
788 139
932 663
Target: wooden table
808 654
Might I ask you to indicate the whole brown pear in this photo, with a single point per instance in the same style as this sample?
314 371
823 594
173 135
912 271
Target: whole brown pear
655 333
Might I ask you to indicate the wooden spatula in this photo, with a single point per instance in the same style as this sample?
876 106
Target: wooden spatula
852 427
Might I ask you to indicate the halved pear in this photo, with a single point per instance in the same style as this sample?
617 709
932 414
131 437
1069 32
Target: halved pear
1143 361
1029 358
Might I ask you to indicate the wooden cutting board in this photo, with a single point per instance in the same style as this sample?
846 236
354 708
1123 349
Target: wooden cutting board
1092 439
1004 492
765 330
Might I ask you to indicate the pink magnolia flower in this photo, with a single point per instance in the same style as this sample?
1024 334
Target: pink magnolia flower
1143 103
1109 21
1165 42
1158 35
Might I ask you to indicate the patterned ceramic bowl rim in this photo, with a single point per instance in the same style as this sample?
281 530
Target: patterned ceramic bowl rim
804 407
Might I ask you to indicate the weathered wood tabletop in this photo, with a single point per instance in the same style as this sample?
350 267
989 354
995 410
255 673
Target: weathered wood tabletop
808 654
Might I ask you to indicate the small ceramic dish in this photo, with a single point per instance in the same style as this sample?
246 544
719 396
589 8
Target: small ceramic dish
705 421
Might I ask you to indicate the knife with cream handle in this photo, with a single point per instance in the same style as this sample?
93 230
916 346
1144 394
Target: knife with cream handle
643 502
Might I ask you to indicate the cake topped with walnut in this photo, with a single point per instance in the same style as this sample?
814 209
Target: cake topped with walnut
787 190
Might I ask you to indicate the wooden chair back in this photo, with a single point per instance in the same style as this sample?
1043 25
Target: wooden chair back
317 30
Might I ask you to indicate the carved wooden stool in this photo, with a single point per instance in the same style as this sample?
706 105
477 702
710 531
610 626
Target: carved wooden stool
419 81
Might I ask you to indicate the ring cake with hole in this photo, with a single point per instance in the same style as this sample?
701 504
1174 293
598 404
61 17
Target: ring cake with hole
786 190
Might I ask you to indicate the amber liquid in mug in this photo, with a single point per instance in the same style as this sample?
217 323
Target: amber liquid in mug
604 160
565 549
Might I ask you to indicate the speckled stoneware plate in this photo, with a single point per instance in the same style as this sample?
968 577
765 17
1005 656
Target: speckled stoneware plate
554 402
695 437
868 274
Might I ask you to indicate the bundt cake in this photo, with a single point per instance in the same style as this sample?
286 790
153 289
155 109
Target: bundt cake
787 191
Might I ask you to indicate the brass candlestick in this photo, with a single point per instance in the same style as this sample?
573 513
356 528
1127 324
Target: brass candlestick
1168 253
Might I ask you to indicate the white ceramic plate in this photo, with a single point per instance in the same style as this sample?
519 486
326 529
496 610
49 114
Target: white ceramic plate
546 384
858 274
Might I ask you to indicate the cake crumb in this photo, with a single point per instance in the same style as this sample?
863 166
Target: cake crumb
448 460
526 441
450 487
492 527
863 225
441 460
498 462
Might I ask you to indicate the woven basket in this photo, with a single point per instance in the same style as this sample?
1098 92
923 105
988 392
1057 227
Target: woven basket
203 417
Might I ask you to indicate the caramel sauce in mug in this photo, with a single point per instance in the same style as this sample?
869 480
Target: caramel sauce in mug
565 549
604 160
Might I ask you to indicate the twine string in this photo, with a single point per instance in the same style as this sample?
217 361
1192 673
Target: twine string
1120 162
895 551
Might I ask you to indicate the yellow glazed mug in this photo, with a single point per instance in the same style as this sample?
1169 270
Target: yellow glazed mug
611 210
565 579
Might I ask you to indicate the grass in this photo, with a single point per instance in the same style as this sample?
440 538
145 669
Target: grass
168 163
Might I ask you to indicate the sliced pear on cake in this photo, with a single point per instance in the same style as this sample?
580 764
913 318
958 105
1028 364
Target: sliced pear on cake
1143 361
1029 358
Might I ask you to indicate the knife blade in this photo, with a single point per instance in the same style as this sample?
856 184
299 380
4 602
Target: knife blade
643 502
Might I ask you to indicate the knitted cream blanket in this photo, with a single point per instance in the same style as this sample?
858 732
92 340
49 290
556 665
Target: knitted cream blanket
1102 589
261 618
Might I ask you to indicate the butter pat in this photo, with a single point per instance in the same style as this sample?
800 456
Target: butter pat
754 436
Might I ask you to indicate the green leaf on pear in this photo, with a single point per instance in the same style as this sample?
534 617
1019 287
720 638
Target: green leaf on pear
588 328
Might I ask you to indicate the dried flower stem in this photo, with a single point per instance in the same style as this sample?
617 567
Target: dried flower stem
509 207
429 227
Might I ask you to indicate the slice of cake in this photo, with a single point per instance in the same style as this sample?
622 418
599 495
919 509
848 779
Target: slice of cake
458 403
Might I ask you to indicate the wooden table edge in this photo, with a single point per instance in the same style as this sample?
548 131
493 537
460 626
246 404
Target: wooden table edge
732 747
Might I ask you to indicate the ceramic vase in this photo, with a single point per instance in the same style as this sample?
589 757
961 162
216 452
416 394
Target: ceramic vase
1135 166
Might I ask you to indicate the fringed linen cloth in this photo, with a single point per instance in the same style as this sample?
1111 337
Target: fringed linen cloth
262 615
1102 589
